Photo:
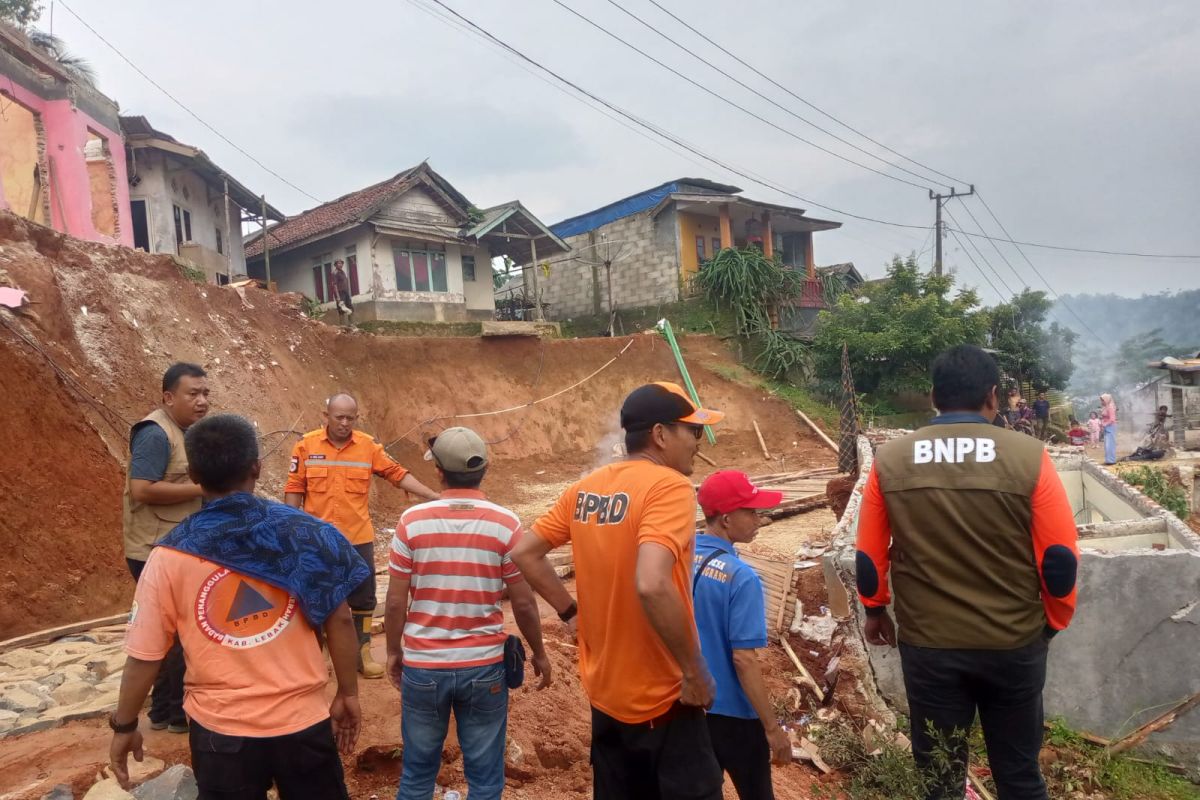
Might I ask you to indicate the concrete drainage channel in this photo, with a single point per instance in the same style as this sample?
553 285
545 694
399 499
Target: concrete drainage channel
1130 653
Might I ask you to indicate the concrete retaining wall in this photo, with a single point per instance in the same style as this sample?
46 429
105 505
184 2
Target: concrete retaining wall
1132 649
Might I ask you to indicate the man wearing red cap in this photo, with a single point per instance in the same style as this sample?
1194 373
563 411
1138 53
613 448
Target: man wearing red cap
632 528
731 620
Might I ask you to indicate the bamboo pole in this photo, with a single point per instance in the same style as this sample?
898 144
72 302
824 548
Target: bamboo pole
664 325
818 431
761 443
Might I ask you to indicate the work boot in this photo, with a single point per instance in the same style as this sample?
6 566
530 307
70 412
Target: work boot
367 666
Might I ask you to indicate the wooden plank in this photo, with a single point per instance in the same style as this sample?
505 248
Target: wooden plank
50 634
706 459
761 442
1155 725
820 433
807 678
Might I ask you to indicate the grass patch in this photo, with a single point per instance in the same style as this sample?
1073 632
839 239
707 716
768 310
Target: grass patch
816 408
440 329
1154 484
191 273
691 316
1074 768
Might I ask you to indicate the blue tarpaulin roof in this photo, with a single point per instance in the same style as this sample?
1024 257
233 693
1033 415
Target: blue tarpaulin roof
634 204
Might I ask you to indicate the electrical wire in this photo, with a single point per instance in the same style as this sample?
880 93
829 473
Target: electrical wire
180 103
978 269
981 256
1036 271
780 86
663 133
781 107
729 102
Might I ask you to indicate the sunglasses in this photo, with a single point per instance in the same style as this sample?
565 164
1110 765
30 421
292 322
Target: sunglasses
697 430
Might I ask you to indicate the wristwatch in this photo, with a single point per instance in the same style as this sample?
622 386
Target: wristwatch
122 727
569 614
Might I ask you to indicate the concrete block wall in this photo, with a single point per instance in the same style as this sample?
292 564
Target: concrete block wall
646 274
1129 654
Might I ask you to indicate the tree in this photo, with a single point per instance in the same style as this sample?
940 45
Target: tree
893 329
20 12
54 47
1026 349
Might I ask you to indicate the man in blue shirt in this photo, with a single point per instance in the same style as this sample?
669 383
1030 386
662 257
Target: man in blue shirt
731 621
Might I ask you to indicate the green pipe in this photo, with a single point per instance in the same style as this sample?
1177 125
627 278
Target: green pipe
665 326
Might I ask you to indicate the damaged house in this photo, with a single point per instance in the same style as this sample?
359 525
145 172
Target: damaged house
413 247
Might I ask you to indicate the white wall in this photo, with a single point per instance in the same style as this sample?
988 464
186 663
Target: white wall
292 271
165 184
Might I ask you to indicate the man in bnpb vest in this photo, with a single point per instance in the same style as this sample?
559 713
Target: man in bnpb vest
330 478
976 530
158 496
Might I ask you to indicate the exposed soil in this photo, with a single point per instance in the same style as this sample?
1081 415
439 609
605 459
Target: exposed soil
115 318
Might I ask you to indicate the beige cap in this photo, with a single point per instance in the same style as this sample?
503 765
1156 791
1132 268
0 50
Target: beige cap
458 450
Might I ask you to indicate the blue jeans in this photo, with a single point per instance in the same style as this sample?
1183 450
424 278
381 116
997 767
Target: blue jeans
1110 443
479 698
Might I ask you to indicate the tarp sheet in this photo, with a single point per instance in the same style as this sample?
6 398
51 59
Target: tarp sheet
622 208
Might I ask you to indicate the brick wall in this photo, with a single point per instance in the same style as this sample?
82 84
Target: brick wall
645 274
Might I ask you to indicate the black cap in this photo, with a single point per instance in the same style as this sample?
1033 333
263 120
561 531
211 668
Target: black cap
647 406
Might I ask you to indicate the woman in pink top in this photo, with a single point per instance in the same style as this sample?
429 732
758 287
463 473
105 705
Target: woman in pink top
1108 419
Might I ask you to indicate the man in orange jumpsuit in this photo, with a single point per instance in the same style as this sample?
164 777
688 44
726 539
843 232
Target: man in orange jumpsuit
330 478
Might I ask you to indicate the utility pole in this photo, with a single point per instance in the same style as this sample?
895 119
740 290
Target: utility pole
937 235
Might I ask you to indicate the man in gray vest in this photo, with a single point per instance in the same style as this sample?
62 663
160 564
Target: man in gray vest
158 496
976 530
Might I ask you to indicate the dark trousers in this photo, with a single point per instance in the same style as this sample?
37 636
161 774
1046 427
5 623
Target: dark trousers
363 597
300 765
947 687
742 751
670 758
166 699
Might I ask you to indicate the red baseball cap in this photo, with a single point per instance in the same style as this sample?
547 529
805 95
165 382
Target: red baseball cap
729 490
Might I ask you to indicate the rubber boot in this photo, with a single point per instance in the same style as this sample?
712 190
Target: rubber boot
366 664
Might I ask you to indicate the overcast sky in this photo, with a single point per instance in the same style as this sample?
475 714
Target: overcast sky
1078 121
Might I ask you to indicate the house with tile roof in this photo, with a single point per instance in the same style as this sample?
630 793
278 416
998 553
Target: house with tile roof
413 247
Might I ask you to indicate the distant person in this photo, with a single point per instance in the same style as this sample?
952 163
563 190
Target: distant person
1094 428
330 478
978 536
1041 413
245 583
1077 435
732 621
631 525
446 653
159 494
1108 421
341 289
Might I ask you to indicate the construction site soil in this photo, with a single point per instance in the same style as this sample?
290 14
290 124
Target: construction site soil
85 357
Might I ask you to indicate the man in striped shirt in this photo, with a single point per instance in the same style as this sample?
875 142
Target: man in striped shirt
446 649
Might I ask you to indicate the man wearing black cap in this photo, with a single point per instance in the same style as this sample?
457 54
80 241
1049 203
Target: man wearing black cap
632 527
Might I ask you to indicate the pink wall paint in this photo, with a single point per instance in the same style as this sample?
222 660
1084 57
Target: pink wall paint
66 135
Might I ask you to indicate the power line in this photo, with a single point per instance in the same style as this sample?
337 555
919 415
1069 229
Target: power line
1035 269
751 89
729 102
179 103
778 85
1063 248
982 274
676 140
995 246
982 257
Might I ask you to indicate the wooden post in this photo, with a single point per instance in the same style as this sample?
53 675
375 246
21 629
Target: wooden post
768 235
537 300
726 227
266 242
810 262
228 235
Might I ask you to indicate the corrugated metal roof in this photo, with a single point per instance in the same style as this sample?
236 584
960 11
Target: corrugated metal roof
636 203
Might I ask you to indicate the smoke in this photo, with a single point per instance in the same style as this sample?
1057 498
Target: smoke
609 447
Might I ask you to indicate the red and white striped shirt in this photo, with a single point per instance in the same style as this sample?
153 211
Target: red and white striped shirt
457 553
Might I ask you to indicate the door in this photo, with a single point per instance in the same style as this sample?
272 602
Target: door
141 224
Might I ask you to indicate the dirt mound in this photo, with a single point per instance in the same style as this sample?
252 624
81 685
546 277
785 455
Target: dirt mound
115 318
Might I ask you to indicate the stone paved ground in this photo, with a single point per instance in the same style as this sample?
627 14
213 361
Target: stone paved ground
73 678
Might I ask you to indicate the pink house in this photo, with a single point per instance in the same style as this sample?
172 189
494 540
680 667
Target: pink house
62 158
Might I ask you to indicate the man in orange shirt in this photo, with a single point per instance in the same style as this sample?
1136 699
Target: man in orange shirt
245 582
330 478
632 527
